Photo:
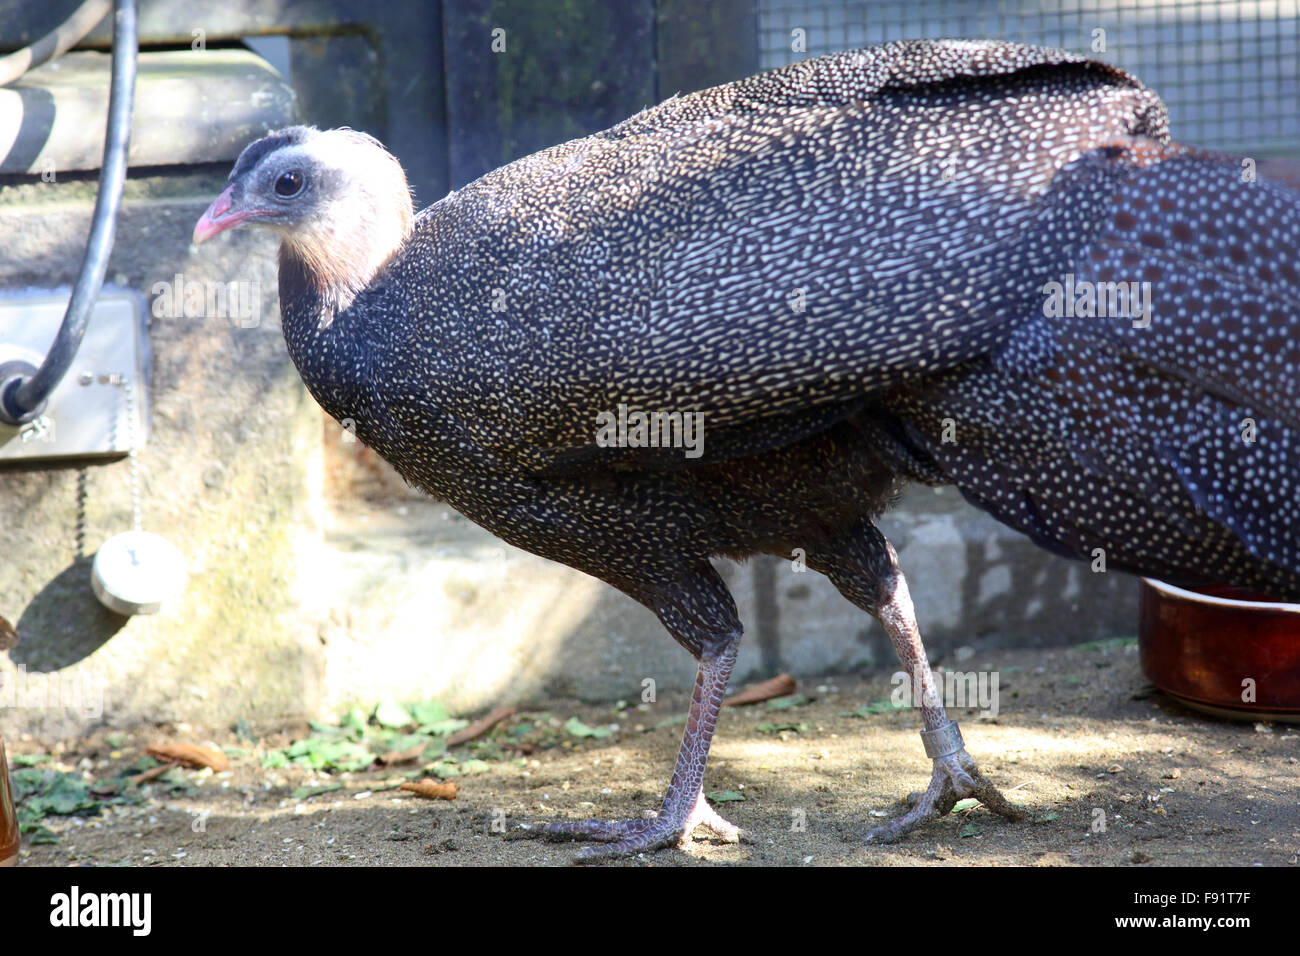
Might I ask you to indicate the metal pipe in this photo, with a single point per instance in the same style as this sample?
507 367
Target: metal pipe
23 399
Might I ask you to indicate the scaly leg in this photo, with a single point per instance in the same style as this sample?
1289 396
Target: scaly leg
699 613
684 807
955 774
864 567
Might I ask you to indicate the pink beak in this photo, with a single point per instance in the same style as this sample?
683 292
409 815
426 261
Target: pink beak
218 218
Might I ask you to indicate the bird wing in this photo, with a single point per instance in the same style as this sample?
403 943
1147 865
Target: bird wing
1169 444
769 254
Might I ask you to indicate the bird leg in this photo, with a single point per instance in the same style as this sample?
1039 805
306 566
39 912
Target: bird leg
955 774
863 566
684 807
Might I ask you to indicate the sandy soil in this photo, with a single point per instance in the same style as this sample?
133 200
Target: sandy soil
1079 731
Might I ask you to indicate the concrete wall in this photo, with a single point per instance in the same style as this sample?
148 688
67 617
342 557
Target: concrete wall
226 476
416 601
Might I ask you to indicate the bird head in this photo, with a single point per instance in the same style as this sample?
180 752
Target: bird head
337 198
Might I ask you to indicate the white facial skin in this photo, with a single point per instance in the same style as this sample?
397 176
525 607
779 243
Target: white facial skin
350 212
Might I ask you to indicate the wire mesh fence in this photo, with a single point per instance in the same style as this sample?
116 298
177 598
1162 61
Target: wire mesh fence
1226 68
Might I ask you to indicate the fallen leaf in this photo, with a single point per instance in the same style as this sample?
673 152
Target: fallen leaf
403 756
782 686
8 635
480 726
432 789
578 729
724 796
389 713
785 703
192 755
768 727
875 707
306 793
152 774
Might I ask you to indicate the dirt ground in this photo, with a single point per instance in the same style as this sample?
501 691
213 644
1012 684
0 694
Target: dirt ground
1079 731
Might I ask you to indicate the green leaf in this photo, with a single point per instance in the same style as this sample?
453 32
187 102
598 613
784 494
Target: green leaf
443 728
354 722
578 729
323 753
380 741
30 760
724 796
884 706
771 728
785 703
306 793
60 794
40 835
1107 644
346 755
28 781
402 742
389 713
301 748
429 712
274 760
142 763
442 769
175 781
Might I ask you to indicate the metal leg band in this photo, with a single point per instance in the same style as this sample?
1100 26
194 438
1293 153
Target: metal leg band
942 741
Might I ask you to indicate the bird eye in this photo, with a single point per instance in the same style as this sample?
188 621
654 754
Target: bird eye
289 184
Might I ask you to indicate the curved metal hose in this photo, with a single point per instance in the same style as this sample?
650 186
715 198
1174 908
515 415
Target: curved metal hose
22 400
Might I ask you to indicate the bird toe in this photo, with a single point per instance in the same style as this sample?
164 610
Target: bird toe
955 777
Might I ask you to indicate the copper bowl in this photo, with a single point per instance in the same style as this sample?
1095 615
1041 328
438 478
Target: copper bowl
1222 650
8 816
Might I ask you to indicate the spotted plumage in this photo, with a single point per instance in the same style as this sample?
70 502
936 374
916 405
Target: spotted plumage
842 266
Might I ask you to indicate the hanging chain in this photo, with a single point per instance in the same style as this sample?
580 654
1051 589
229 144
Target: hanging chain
132 451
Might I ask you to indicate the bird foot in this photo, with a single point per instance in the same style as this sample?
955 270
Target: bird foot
667 827
955 777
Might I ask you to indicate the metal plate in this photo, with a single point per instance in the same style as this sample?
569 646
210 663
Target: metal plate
87 414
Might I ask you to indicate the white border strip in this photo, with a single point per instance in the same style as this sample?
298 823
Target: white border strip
1197 598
